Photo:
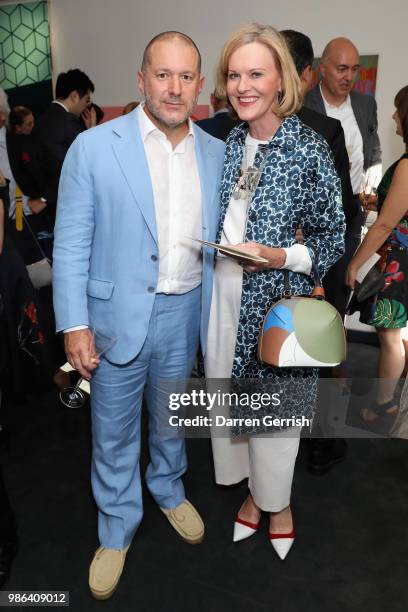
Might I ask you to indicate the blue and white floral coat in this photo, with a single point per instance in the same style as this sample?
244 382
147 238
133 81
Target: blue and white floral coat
299 186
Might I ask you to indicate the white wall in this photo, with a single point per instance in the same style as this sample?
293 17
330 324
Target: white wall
106 38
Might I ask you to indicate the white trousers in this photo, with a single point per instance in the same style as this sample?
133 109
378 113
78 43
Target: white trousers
267 461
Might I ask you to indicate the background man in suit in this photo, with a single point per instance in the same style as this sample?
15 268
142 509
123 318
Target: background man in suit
334 97
301 49
132 191
324 453
221 123
58 127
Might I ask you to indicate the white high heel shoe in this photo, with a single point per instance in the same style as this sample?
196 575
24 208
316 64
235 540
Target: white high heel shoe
282 542
244 529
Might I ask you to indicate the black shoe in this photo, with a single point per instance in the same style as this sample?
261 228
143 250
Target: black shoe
323 454
7 553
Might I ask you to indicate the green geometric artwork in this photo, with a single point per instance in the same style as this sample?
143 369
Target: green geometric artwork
24 44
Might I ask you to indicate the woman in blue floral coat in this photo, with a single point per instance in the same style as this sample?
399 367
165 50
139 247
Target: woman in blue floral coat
298 186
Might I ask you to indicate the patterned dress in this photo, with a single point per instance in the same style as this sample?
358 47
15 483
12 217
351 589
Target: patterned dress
388 308
299 186
25 363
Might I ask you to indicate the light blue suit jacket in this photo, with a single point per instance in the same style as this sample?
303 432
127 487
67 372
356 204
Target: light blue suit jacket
106 257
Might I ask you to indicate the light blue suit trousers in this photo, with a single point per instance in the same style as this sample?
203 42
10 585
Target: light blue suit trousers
117 391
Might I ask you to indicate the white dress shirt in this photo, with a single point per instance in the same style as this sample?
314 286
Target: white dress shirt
177 202
60 104
354 141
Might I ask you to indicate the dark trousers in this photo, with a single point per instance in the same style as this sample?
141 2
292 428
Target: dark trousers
336 291
7 520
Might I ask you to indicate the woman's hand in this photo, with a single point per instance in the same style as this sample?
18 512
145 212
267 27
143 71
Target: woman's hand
36 205
351 275
276 257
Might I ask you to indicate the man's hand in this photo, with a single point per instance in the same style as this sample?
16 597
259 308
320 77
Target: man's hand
368 201
89 117
276 257
36 205
80 351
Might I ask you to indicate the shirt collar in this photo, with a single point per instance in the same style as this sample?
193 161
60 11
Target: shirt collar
222 110
147 126
344 104
61 104
285 137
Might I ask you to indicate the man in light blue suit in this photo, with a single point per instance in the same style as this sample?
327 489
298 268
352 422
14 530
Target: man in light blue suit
133 192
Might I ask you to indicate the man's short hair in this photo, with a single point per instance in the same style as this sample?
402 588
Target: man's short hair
170 35
301 49
73 80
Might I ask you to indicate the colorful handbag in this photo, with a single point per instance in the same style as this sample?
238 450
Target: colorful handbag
302 331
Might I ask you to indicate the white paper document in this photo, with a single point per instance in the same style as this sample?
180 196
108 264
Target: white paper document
232 251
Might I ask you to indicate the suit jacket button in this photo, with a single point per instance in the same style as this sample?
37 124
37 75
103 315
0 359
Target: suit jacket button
151 289
153 257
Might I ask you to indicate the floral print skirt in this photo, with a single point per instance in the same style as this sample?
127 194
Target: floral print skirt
388 308
25 361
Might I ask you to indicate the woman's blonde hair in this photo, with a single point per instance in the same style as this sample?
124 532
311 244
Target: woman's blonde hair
290 100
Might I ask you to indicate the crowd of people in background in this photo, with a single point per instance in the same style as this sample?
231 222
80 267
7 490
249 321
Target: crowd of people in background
32 155
334 131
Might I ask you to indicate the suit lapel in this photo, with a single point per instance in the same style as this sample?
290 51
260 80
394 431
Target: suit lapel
358 114
320 107
131 157
205 162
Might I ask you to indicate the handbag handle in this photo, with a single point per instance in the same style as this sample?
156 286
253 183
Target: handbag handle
318 290
35 237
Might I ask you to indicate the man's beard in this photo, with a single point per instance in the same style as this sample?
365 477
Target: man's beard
154 110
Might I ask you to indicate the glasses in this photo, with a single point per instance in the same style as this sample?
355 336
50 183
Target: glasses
74 397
